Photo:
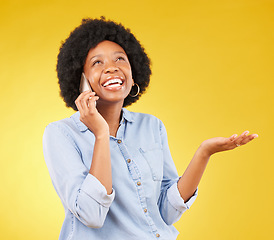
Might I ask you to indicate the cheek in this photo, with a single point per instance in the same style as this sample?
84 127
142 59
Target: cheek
93 77
128 72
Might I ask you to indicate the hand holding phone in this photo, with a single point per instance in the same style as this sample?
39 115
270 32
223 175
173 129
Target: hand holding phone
88 114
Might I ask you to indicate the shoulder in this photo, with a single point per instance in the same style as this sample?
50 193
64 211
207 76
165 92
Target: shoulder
137 117
143 120
67 126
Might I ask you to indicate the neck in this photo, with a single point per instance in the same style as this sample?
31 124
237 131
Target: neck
112 114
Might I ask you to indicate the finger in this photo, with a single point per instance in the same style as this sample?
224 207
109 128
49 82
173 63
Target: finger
85 95
239 139
233 137
86 101
249 138
80 101
92 102
81 96
79 105
231 140
88 95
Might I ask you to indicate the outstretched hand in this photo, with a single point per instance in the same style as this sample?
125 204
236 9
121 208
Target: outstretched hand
219 144
189 181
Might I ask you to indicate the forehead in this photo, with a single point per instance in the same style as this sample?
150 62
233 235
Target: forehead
105 47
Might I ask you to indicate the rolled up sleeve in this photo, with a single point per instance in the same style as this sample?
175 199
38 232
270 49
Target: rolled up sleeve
93 215
78 190
176 201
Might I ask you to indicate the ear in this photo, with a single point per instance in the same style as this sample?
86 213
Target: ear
133 82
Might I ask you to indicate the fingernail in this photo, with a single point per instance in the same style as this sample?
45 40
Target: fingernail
246 132
256 135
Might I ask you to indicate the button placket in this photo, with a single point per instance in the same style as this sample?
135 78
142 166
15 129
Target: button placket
136 176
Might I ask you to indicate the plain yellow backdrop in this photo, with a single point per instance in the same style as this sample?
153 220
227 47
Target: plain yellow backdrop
212 64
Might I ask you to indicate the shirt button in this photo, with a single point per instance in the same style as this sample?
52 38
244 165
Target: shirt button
145 210
119 141
129 160
138 183
157 235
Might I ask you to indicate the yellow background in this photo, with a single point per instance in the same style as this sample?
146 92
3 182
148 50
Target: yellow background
212 76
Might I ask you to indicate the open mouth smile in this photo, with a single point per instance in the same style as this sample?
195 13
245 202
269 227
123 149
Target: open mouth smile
113 82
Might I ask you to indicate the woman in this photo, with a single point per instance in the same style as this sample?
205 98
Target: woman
112 168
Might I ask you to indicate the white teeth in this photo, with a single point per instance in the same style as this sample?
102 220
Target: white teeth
111 81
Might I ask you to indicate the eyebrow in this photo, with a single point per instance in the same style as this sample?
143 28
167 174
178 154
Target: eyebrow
99 55
119 52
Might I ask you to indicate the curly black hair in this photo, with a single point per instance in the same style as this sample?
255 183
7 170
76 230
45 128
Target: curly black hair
75 48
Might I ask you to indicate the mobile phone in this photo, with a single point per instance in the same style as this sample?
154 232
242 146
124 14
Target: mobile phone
84 84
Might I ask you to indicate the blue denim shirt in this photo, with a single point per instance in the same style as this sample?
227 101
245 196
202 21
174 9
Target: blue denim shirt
145 201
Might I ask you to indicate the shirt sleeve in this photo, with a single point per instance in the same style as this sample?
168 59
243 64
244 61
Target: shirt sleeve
171 204
79 191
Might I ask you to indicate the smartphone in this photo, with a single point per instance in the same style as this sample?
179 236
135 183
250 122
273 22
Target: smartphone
84 84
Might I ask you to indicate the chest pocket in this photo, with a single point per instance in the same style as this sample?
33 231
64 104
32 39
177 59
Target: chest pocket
154 156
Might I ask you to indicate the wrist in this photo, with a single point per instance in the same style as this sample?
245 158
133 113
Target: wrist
204 151
102 135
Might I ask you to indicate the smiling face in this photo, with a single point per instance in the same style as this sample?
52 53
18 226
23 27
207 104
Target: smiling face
108 71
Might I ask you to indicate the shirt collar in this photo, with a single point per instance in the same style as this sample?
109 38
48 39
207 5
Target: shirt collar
127 115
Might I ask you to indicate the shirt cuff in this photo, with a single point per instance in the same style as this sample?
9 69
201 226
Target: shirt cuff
177 201
94 189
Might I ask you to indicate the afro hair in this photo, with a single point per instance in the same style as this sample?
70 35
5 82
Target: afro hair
75 48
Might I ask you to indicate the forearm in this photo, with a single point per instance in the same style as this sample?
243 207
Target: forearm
101 162
188 183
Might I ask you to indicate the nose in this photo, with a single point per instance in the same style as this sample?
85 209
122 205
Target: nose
111 68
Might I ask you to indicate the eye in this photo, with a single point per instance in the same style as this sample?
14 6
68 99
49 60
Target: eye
96 62
120 59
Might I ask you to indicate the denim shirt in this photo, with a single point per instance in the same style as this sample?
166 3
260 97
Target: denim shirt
145 200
